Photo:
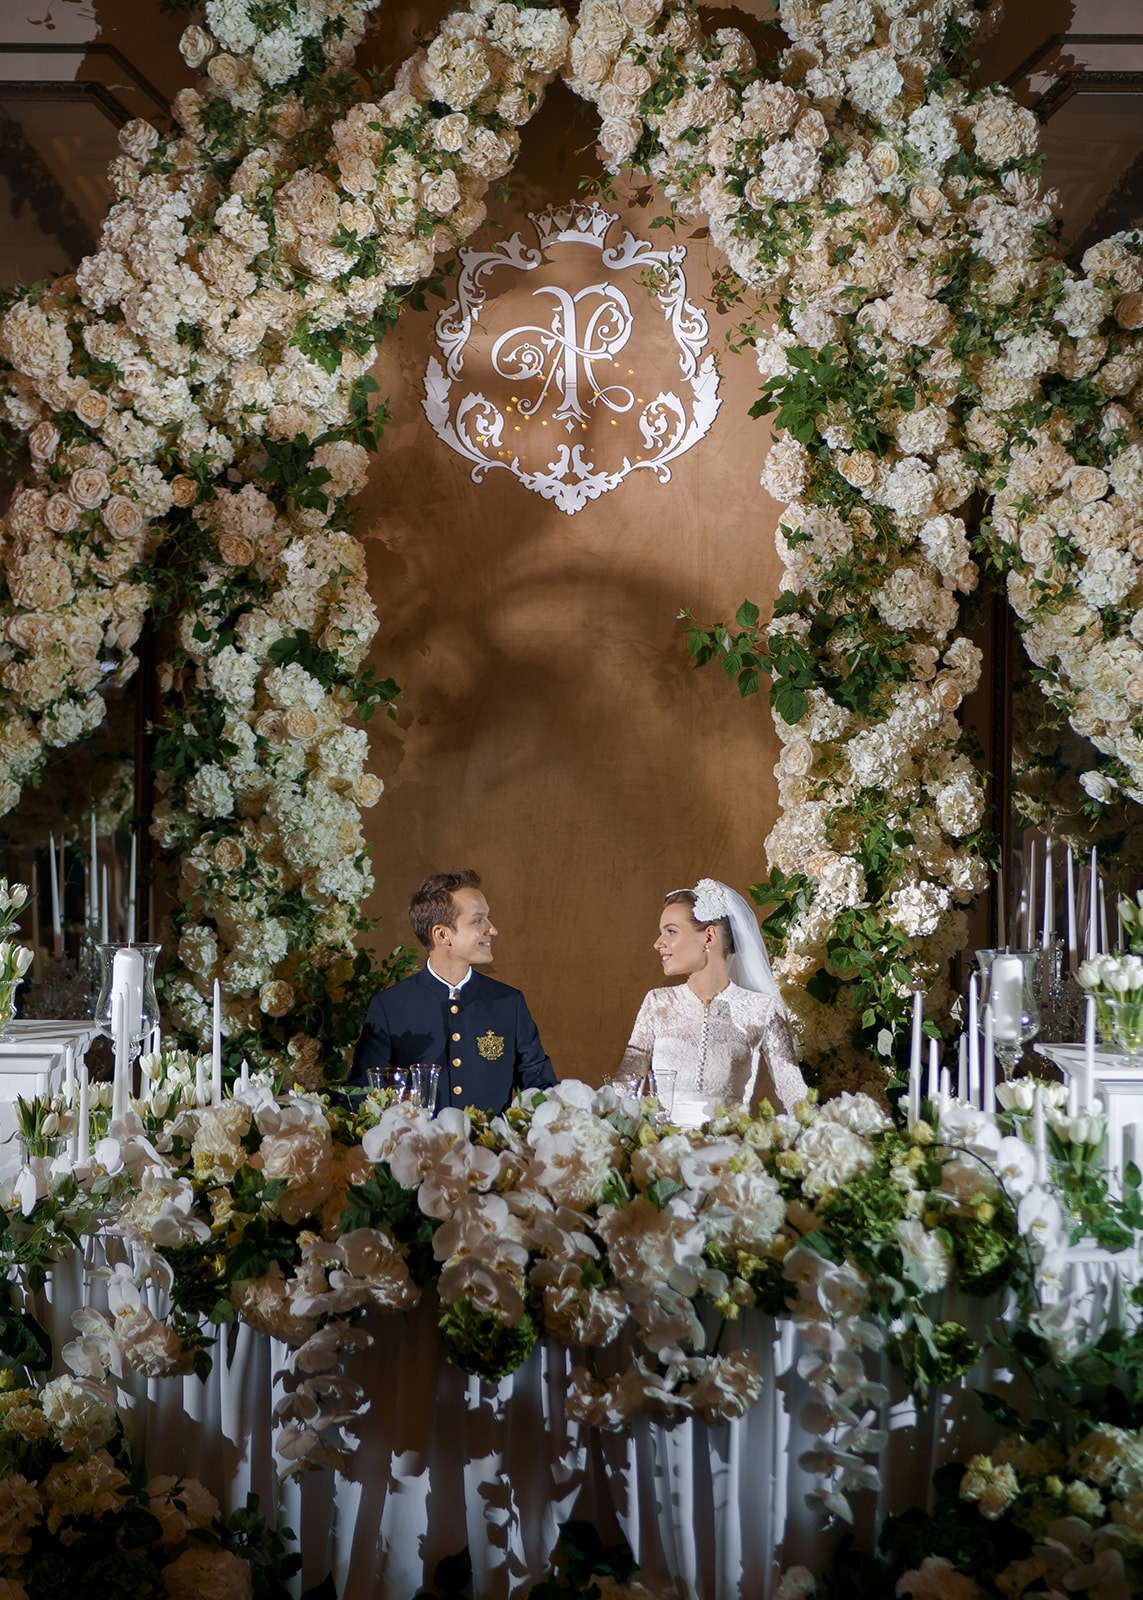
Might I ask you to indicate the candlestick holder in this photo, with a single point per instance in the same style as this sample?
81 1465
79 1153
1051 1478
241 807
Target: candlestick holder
1009 982
149 1006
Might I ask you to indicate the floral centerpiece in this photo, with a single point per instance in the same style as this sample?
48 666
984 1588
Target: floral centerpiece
76 1512
1115 982
15 959
580 1215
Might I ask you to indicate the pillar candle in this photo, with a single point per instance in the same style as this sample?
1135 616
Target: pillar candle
1006 998
216 1048
127 977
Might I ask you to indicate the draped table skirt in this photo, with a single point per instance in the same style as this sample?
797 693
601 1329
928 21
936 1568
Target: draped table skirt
444 1461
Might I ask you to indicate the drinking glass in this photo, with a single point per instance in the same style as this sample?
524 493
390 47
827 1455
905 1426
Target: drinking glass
663 1081
416 1084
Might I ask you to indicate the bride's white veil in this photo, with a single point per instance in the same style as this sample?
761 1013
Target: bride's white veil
748 965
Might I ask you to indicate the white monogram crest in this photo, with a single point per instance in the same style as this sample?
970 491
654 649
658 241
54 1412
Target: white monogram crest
561 375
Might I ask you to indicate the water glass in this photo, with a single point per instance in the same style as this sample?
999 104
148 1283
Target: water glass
663 1081
416 1084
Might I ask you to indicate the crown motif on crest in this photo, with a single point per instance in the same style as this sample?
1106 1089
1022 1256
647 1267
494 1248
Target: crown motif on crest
568 224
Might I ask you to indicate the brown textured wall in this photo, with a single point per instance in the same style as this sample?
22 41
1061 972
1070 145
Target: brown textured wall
552 732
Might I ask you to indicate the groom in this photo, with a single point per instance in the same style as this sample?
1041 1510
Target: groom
479 1030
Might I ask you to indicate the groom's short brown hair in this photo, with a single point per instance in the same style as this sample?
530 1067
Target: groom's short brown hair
432 904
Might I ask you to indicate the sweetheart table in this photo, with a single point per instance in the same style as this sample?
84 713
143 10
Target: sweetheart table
444 1461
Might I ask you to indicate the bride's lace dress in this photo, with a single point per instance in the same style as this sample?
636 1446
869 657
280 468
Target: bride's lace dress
735 1051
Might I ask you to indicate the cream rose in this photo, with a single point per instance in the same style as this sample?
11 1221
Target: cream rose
138 138
301 722
206 1573
859 469
122 517
184 491
89 487
367 789
276 998
196 46
1088 484
43 441
61 514
235 549
1129 311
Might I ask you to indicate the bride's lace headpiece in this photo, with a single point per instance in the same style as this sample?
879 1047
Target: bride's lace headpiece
748 963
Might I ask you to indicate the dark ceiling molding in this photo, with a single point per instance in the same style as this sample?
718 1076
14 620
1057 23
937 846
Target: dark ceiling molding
1073 79
103 95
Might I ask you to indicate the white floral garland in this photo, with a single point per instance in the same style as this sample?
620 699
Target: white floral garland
892 210
231 313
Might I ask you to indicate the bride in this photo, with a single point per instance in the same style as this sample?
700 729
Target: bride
724 1032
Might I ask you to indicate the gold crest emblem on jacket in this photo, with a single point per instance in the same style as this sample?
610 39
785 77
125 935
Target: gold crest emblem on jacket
490 1045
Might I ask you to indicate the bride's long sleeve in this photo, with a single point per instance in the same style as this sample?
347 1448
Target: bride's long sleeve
637 1056
779 1077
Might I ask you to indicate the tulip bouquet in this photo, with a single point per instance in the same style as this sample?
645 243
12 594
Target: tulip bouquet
1116 984
15 959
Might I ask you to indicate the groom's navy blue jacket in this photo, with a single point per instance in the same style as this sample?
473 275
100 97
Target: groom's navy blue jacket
485 1040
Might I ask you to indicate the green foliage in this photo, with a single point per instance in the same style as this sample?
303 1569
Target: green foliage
931 1354
381 1202
478 1343
365 688
790 896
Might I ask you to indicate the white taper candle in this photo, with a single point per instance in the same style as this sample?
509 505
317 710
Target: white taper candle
131 879
1039 1135
83 1139
57 926
216 1048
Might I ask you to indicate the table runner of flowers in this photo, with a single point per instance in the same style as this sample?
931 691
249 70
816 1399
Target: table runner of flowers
195 402
582 1215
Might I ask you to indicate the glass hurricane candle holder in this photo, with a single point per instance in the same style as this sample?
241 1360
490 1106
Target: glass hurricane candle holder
1009 987
139 1028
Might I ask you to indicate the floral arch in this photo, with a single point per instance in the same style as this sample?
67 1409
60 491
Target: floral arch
195 407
